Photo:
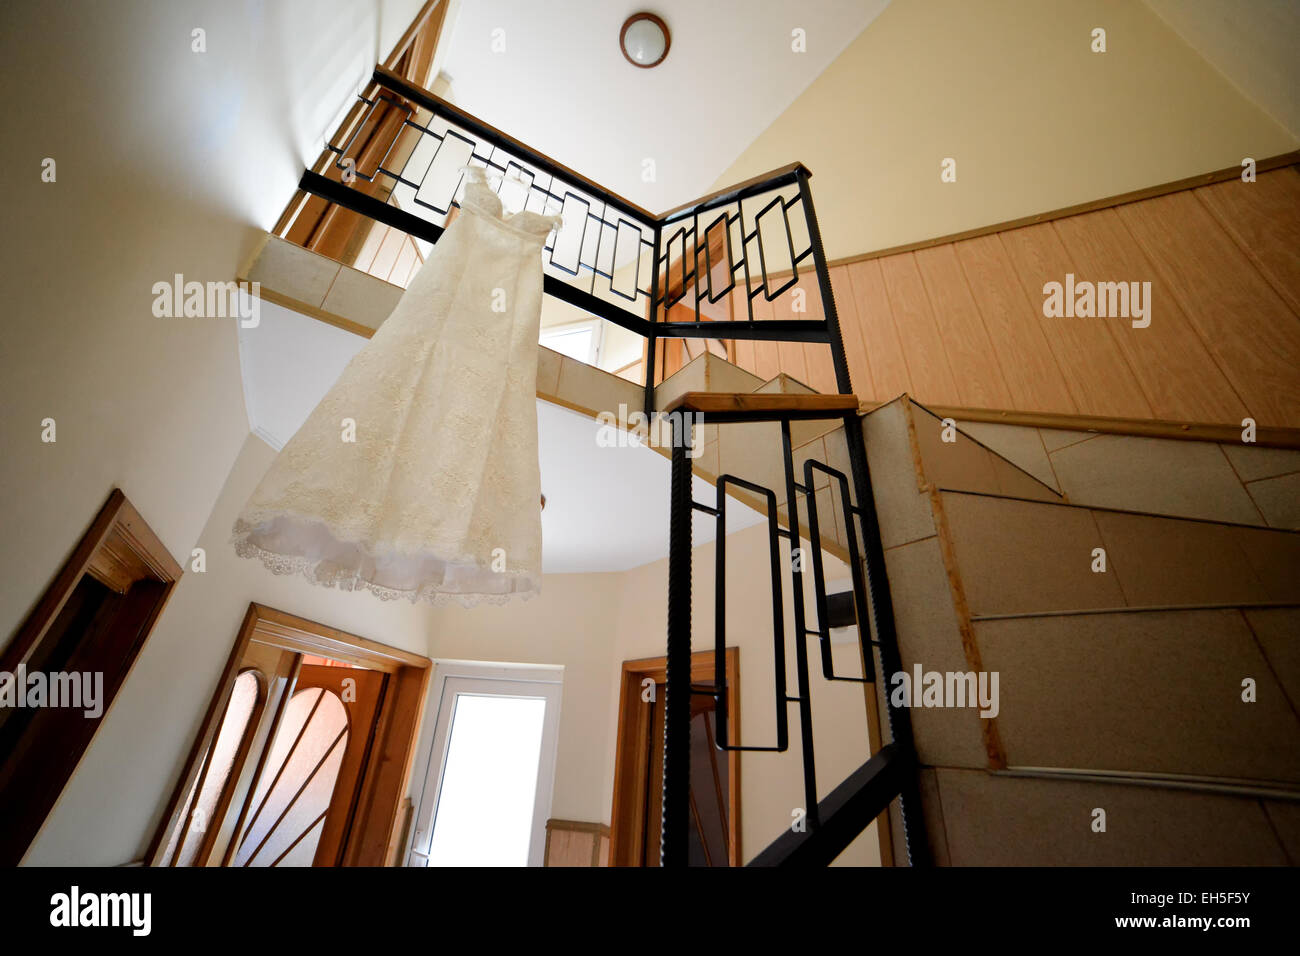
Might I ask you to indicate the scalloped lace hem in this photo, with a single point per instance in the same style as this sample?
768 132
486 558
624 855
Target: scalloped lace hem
325 573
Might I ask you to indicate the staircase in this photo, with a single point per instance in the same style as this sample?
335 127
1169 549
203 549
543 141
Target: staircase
963 559
1120 678
1121 684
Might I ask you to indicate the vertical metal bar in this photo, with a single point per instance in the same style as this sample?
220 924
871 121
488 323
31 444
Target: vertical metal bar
832 316
649 369
677 707
873 552
720 616
819 576
800 635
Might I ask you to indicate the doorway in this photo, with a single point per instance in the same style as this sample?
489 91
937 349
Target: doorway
303 758
714 836
489 773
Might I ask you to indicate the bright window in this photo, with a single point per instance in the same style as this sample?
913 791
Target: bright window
490 768
580 341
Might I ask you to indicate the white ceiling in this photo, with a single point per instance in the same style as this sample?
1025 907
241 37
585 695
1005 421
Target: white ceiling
606 508
563 87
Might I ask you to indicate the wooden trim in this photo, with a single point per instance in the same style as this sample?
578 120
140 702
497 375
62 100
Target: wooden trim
723 403
375 838
203 742
1267 436
736 187
116 516
417 25
420 40
598 831
993 748
295 667
1137 195
579 826
122 552
627 810
370 839
299 634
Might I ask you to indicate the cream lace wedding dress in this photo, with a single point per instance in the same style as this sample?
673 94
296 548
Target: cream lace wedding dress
438 493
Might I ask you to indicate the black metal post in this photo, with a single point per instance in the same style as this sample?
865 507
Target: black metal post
873 552
677 707
652 340
800 635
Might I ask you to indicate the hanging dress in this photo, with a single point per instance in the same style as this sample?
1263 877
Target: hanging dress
416 476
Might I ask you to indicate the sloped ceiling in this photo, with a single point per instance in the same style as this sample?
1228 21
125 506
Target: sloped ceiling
561 84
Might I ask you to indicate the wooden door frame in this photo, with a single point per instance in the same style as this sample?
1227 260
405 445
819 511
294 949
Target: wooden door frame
375 830
123 553
627 816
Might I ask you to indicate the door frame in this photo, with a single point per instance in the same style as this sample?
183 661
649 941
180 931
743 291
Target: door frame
545 681
627 815
121 552
374 833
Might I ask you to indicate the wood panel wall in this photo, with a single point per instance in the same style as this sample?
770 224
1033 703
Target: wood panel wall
961 323
576 843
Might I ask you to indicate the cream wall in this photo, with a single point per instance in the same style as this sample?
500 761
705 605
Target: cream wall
1254 46
572 623
1011 90
110 808
113 803
168 161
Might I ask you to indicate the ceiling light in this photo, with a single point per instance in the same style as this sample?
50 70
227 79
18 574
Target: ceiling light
645 40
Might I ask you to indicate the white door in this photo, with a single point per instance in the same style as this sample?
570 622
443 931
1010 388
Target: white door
489 771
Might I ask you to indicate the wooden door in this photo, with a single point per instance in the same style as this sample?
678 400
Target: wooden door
638 772
306 789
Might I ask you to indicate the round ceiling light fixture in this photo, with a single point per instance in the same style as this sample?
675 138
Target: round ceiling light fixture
645 40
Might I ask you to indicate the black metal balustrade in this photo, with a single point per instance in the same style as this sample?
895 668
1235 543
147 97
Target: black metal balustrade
621 263
830 824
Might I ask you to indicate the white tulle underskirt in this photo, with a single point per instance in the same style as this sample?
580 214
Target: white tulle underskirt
292 544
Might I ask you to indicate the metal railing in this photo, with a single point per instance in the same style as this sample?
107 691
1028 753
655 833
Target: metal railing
685 274
830 824
712 260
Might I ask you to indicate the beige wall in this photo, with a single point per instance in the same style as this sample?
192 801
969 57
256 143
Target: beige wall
110 808
1011 90
1254 46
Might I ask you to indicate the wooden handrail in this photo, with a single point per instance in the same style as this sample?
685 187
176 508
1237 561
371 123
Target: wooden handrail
758 406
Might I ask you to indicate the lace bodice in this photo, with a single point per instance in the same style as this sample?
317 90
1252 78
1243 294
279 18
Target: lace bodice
481 198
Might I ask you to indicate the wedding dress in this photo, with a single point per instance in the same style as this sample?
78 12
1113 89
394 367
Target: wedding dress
437 492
